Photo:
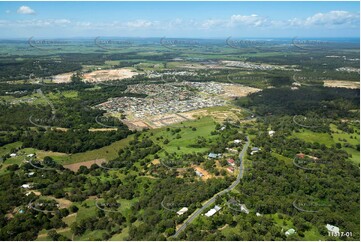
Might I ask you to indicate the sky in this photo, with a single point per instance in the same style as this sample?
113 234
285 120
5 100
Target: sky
179 19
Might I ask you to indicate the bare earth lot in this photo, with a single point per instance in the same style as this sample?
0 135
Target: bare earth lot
106 75
75 167
62 78
342 84
98 76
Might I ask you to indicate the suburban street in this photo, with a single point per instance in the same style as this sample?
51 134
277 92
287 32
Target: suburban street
213 199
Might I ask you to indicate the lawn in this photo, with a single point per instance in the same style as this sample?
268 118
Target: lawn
122 236
312 137
282 158
339 134
6 149
204 128
109 152
328 140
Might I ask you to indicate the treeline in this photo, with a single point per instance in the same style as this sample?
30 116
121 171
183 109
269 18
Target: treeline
72 141
31 67
328 102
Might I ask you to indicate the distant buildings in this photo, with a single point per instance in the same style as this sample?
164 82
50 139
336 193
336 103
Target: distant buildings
211 212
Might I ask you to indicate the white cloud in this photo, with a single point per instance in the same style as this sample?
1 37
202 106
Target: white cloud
139 24
37 23
332 18
211 23
327 20
251 20
25 10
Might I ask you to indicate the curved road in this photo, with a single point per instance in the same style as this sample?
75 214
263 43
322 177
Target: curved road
213 199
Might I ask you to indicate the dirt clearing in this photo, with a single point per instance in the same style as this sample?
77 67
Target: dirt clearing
75 167
108 75
342 84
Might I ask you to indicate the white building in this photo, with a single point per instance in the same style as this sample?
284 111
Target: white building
290 232
200 174
271 133
27 186
12 154
182 211
244 209
31 174
332 229
211 212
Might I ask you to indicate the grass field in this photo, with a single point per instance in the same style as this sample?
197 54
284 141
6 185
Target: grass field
310 235
6 149
313 137
204 127
282 158
328 140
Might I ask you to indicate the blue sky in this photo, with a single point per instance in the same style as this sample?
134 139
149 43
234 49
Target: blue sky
179 19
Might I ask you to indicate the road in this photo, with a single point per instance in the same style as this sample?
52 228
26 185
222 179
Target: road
213 199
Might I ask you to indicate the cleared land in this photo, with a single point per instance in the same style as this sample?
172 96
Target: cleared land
108 75
342 84
98 76
75 167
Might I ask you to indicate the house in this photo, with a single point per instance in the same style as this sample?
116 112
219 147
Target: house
254 150
231 162
214 155
211 212
258 214
271 133
12 154
237 141
232 150
244 209
223 128
200 174
290 232
332 229
31 174
182 211
27 186
301 155
30 155
230 169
